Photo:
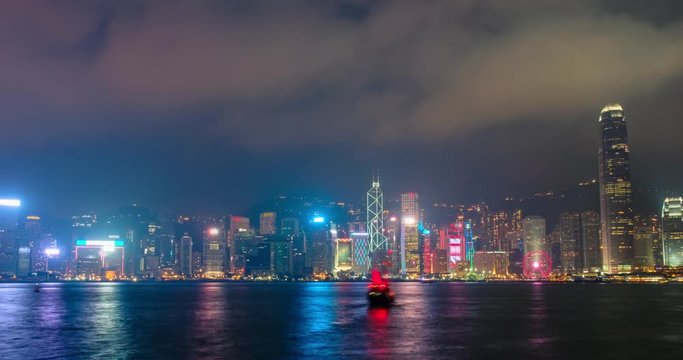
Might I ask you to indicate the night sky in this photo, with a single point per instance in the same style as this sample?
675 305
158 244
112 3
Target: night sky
212 107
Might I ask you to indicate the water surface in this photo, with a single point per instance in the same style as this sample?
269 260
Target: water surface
331 320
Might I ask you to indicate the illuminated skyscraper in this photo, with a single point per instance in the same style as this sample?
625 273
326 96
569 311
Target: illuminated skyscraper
615 191
213 255
570 243
361 247
267 223
469 243
672 231
375 218
410 244
281 254
590 241
343 255
537 261
645 234
185 258
238 225
533 233
319 249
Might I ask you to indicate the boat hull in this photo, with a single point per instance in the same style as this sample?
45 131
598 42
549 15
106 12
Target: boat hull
380 299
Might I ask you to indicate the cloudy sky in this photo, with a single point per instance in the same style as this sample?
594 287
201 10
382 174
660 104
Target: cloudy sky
215 106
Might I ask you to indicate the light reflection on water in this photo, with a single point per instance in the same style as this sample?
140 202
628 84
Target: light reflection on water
332 320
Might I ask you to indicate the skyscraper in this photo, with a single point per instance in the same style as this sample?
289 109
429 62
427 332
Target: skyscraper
375 218
319 249
570 242
213 255
533 234
289 226
238 225
672 231
616 217
590 241
410 246
267 224
281 254
645 234
185 256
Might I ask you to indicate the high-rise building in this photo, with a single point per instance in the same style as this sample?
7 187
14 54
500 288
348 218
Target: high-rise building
491 263
213 254
456 246
289 226
258 263
615 191
537 261
281 254
298 254
590 241
238 226
672 231
267 223
410 246
185 256
533 234
646 232
361 247
375 218
8 253
320 245
570 243
343 255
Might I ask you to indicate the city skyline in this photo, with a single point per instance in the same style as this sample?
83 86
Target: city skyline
320 110
307 179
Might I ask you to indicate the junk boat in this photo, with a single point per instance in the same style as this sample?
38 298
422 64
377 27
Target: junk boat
379 293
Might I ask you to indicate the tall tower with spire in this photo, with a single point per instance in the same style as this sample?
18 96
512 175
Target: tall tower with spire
375 209
616 210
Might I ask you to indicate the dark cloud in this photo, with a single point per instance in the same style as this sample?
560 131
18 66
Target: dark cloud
345 79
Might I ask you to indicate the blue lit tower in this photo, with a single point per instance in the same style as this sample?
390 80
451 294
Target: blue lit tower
375 217
615 191
469 244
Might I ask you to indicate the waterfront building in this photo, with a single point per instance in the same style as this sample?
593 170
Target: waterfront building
244 245
258 264
534 234
591 258
213 254
361 248
616 211
570 243
491 263
298 254
320 245
280 254
185 255
440 261
537 261
456 246
343 255
646 232
238 225
375 219
100 258
672 231
8 253
410 247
